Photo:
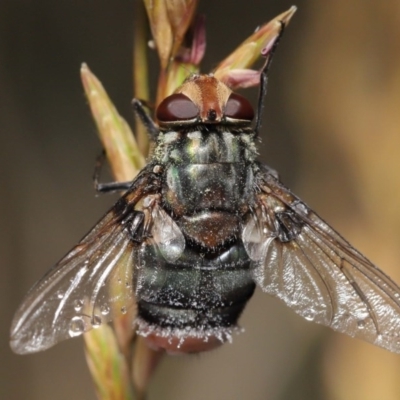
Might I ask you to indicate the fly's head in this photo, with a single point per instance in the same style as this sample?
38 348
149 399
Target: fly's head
203 99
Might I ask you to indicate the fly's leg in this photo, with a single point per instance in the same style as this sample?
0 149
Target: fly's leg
152 128
153 132
109 187
268 53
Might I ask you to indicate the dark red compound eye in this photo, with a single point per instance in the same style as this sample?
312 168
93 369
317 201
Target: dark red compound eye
176 107
238 107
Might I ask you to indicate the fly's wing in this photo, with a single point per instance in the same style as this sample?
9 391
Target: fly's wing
304 262
91 285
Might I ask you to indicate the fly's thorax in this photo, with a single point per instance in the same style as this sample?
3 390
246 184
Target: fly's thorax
205 145
208 182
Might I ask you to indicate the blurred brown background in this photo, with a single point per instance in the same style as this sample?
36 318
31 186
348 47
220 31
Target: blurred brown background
332 128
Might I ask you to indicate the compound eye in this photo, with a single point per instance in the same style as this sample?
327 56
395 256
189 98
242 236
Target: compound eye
238 107
176 107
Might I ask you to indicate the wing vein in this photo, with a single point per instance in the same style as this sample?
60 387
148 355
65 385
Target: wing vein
328 290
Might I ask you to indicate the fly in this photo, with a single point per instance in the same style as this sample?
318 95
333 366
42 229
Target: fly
199 227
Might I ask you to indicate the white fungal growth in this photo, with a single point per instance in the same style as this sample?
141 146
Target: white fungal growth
223 334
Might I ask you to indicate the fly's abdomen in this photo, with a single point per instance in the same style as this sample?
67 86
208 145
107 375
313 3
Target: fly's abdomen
198 294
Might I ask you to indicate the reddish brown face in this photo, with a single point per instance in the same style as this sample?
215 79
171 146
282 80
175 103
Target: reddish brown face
204 99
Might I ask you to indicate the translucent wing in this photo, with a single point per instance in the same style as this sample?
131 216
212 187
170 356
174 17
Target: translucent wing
89 286
303 261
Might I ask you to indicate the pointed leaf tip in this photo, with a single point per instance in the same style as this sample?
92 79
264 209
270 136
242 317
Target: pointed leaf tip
256 45
287 15
117 138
